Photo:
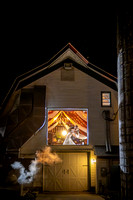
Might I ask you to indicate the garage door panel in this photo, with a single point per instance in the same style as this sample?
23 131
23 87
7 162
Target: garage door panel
82 172
69 175
74 172
58 171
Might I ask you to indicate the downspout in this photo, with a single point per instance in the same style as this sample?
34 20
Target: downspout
107 138
106 116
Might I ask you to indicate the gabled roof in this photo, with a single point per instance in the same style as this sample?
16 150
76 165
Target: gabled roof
67 54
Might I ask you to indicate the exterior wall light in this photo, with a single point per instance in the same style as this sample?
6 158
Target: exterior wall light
93 161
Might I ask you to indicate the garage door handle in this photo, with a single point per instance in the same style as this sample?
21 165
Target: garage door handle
65 171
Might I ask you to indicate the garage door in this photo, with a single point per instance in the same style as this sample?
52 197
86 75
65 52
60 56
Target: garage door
70 175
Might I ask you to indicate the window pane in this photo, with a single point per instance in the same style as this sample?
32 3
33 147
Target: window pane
67 127
106 100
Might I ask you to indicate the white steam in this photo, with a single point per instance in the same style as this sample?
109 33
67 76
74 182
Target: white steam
44 156
26 176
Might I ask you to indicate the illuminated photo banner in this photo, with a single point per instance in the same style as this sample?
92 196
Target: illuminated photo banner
67 127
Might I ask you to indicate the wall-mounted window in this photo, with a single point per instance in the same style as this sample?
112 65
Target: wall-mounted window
106 99
67 127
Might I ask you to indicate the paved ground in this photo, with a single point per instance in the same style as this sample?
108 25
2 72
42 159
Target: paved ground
70 196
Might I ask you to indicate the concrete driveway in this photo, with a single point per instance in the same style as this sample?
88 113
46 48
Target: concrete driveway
68 196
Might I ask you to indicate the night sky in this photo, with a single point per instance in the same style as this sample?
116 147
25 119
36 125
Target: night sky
31 36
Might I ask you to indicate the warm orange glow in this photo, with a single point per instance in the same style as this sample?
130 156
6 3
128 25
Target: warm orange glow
46 156
60 123
93 161
64 132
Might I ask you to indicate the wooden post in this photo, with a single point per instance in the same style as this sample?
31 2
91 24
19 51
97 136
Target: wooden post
21 190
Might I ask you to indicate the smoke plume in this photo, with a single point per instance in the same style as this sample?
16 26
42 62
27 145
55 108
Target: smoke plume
43 156
46 156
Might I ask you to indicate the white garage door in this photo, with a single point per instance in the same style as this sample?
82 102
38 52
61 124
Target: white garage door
70 175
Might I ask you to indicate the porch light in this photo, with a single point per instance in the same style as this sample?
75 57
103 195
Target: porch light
93 161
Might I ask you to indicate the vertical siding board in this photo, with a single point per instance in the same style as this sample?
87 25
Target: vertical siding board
83 92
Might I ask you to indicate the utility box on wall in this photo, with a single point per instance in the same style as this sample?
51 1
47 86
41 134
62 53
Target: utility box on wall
103 171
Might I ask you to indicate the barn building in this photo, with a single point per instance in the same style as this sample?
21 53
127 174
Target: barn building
43 107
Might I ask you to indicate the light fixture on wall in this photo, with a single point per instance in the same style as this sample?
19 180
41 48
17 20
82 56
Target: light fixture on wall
67 66
93 161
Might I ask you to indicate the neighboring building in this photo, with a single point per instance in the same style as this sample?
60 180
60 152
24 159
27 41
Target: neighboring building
67 90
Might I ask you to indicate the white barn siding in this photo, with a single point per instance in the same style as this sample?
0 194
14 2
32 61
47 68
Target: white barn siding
93 169
83 92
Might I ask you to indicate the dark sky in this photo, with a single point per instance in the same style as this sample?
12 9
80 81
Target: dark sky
31 36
